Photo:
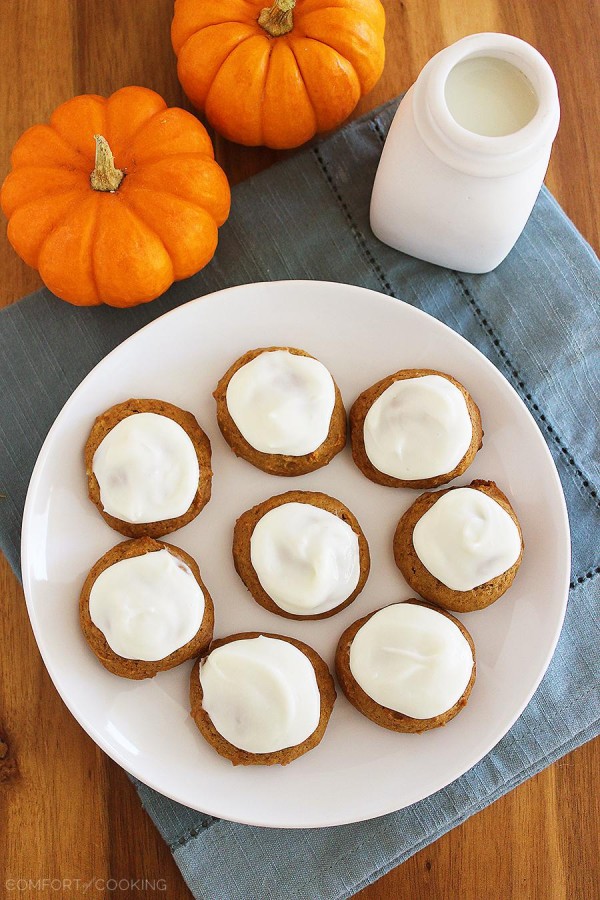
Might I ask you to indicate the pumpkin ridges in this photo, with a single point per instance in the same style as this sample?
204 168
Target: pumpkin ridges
31 223
243 114
77 121
89 245
291 46
57 152
289 116
98 207
337 28
187 230
212 46
333 97
29 183
143 255
372 10
192 17
237 90
204 185
71 242
167 134
127 112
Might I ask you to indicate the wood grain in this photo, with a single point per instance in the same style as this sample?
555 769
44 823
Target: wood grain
67 811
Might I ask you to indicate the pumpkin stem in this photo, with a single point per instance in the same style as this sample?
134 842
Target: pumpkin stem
277 19
106 176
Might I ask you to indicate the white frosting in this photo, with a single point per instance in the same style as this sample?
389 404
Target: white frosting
306 558
147 606
261 694
147 469
465 539
282 403
418 428
411 659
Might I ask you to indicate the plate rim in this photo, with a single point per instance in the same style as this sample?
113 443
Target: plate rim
112 749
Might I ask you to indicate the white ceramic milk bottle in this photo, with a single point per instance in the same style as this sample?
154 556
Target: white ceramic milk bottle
466 154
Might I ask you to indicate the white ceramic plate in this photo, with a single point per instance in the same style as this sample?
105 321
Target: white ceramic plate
359 770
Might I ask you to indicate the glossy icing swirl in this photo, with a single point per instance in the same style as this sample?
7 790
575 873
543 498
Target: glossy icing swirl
306 558
260 693
466 539
282 403
147 606
411 659
418 428
147 469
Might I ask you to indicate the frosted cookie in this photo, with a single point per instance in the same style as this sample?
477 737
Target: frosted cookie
461 547
148 467
417 428
261 699
280 409
301 554
144 608
408 667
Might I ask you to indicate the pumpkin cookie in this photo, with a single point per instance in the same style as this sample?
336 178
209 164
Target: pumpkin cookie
280 409
261 699
148 467
144 608
301 554
461 547
408 667
417 428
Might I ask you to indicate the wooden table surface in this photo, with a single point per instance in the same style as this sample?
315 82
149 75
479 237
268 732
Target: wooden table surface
67 811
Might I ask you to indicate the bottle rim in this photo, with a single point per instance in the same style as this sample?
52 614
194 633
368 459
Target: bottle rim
467 150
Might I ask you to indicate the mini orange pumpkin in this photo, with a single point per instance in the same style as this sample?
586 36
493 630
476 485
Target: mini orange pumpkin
279 74
115 230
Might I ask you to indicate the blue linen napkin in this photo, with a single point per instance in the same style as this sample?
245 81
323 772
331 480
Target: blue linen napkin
535 317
